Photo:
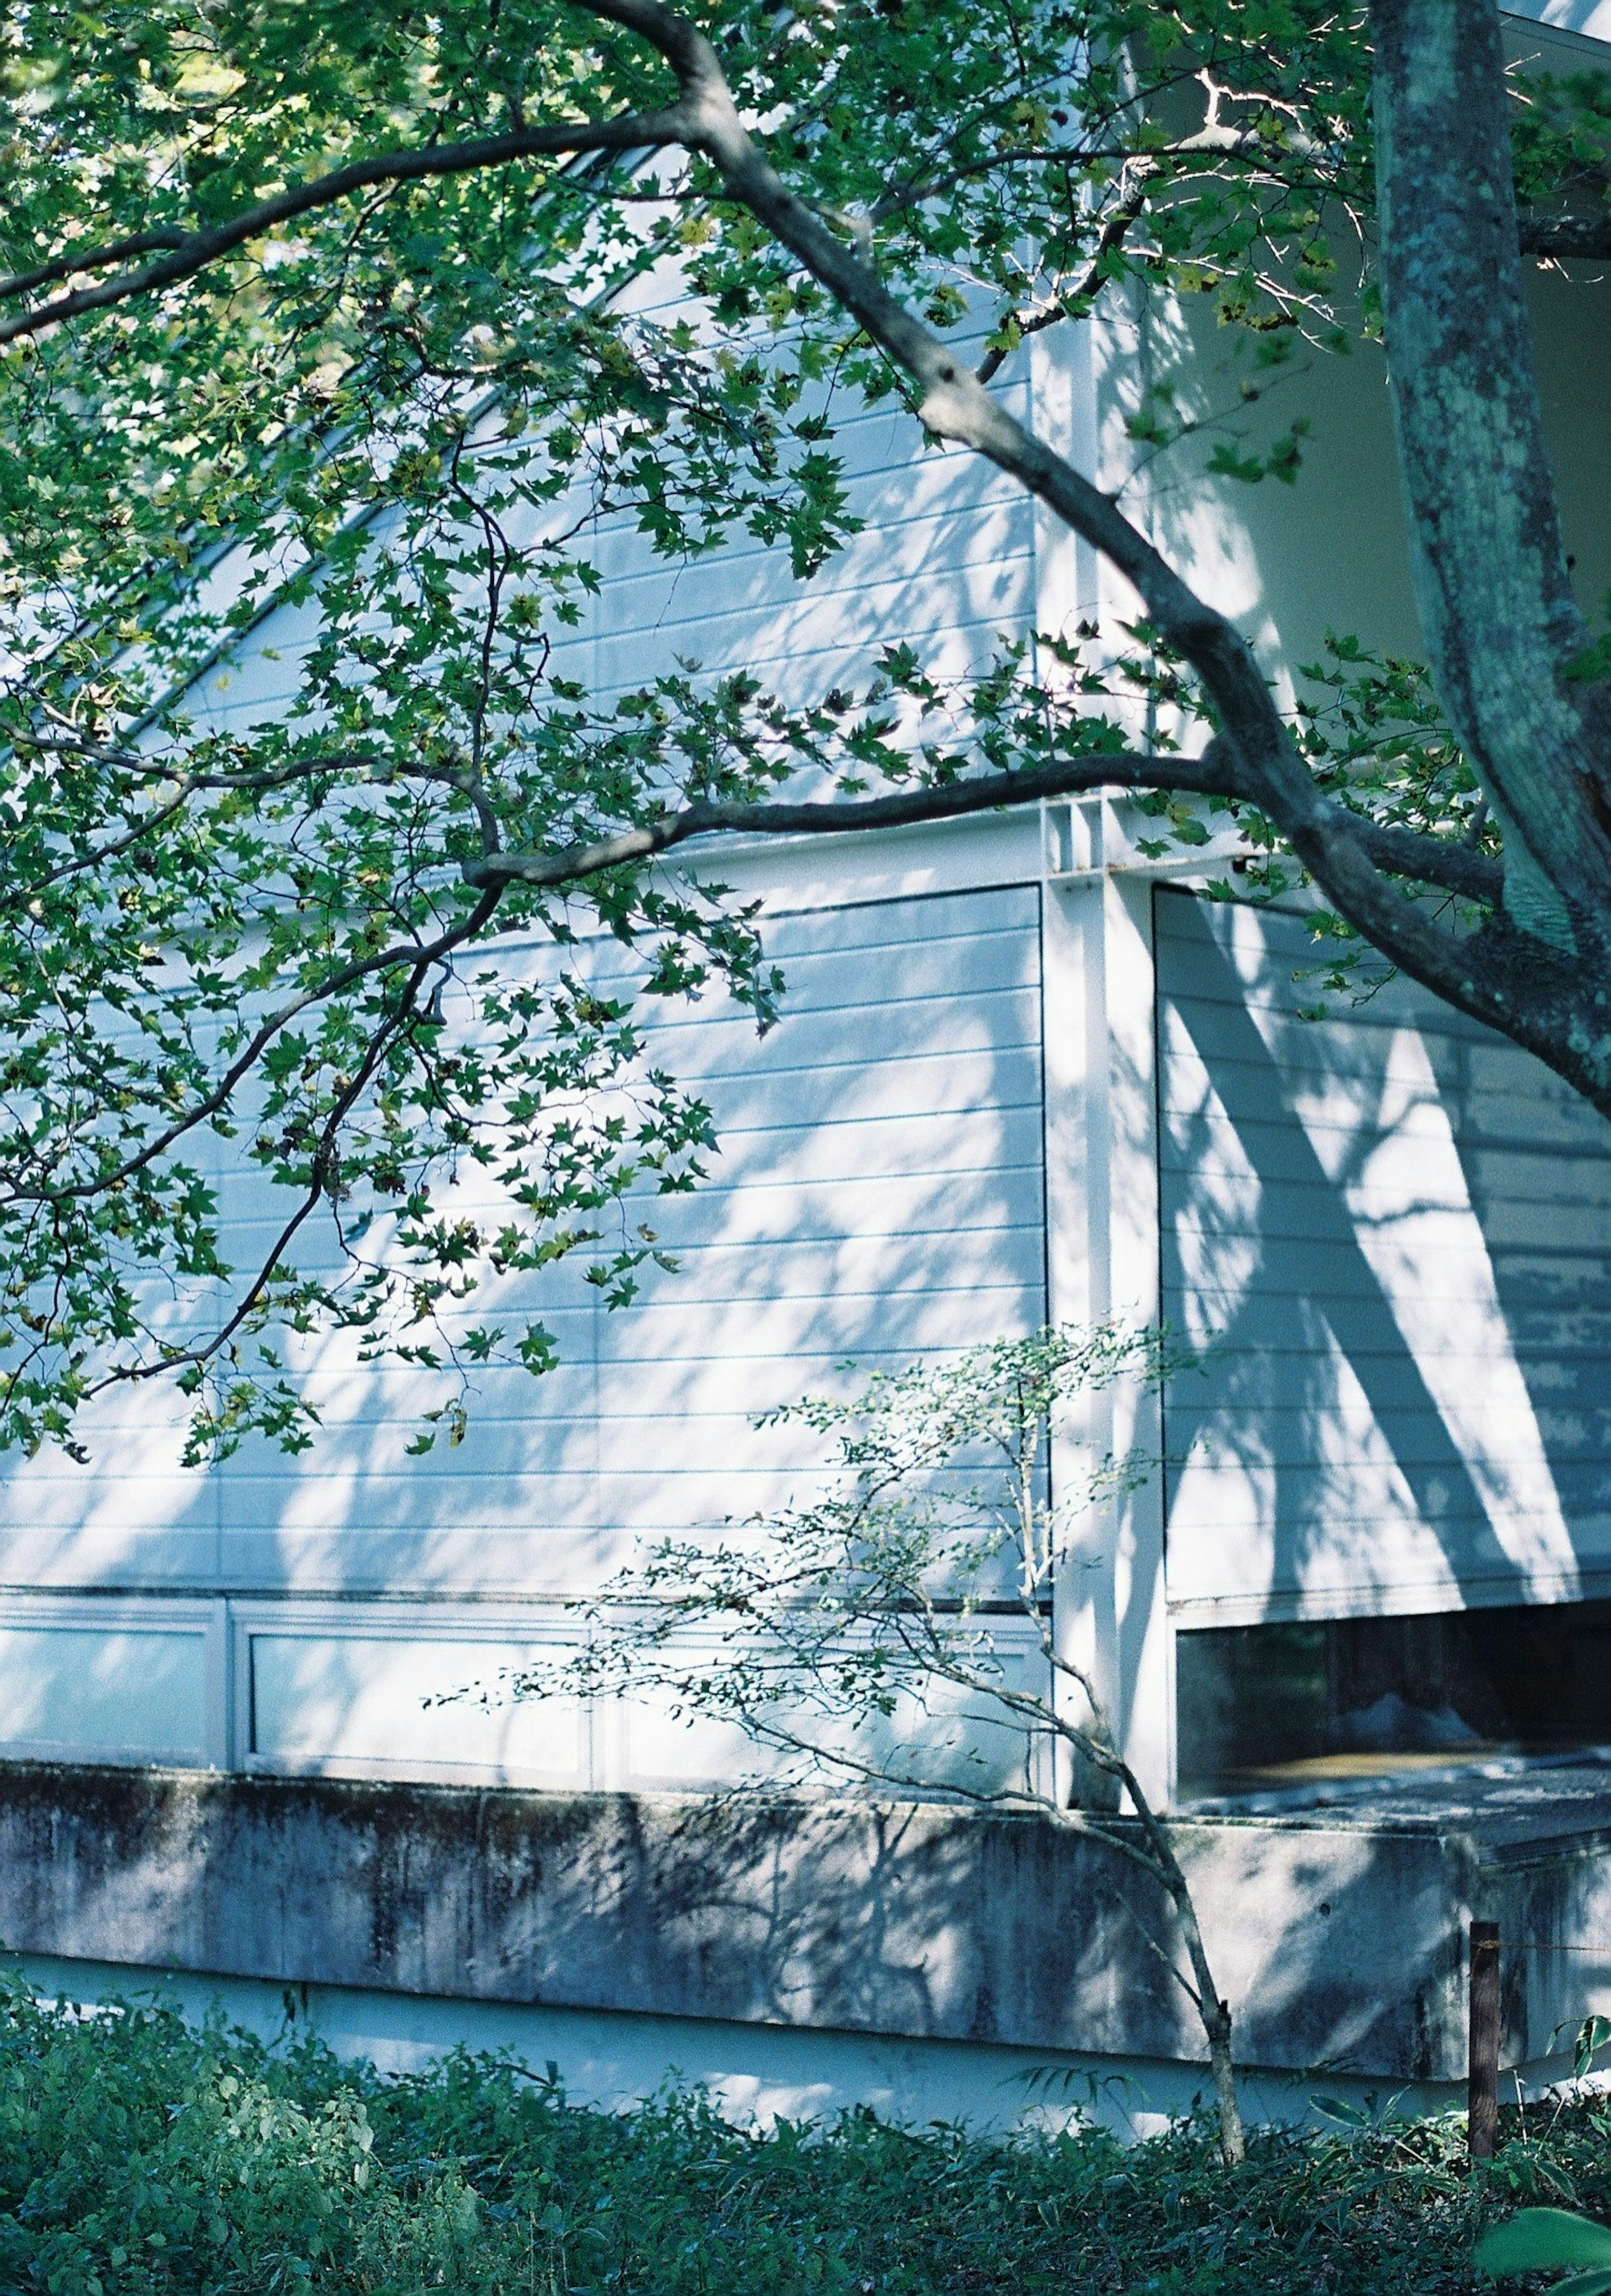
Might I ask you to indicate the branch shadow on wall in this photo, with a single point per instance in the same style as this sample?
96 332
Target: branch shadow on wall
1325 1431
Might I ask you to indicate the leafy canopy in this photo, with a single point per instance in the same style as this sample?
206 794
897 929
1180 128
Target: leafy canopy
381 318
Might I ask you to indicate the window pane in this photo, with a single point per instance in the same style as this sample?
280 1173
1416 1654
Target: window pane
1276 1705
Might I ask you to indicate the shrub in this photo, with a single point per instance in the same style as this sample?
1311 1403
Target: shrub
139 2154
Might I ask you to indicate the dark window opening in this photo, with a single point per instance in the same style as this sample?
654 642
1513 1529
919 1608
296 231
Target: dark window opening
1259 1706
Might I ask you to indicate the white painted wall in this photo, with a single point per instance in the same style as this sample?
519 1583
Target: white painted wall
1589 19
1390 1233
877 1196
952 1133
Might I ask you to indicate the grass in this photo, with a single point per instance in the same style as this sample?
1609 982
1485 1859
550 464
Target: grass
140 2154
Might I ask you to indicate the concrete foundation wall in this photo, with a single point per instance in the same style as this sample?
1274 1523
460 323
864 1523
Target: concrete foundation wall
756 2075
1338 1937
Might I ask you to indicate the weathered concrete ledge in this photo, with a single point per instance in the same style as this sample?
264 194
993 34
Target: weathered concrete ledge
1337 1934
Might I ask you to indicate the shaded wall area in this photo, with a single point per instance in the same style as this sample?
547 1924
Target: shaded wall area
1387 1236
1330 552
1387 1233
916 1919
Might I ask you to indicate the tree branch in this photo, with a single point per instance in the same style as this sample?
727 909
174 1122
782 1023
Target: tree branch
1456 867
1111 236
192 251
415 953
1479 975
954 405
1402 852
1209 775
323 1165
1561 238
94 258
1217 143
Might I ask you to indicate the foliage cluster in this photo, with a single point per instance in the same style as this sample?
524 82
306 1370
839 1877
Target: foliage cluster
898 1629
870 1631
390 328
141 2157
408 419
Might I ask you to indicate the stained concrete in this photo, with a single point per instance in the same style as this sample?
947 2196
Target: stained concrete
1336 1931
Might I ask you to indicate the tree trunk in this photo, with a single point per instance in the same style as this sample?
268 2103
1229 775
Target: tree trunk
1234 2140
1216 2015
1213 2009
1491 581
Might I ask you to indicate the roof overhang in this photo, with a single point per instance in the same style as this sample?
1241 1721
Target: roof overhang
1572 32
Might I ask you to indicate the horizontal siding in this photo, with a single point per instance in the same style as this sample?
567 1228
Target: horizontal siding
945 560
878 1194
1389 1232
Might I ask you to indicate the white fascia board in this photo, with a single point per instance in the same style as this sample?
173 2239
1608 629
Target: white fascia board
1564 32
848 867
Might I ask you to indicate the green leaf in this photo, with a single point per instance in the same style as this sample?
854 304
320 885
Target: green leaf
1225 462
1543 2239
1592 2036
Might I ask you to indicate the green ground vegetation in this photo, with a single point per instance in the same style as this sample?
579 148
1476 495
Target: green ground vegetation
139 2153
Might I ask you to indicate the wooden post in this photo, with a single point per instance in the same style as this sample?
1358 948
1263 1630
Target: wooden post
1482 2094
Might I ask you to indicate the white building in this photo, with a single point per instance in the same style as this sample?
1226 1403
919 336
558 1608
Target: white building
1024 1073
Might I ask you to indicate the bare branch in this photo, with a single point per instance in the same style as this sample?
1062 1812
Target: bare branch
1153 1947
1117 1834
1111 236
1210 775
1234 146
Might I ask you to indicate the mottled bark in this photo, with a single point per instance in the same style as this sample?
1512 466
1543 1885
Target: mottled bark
1497 609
